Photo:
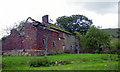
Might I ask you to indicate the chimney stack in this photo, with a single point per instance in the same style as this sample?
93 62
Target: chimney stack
45 19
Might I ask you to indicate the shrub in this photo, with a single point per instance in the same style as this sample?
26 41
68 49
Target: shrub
46 63
116 43
3 38
96 38
96 51
40 62
114 47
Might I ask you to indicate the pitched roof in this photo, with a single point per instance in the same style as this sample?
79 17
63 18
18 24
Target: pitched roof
49 26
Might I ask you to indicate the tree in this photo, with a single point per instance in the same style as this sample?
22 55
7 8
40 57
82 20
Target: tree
19 26
96 39
74 23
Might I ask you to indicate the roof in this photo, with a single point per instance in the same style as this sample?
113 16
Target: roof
55 28
49 26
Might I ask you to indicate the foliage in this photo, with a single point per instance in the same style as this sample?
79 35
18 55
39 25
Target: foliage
116 43
46 63
3 38
97 51
114 32
82 41
73 23
96 38
78 34
114 47
39 62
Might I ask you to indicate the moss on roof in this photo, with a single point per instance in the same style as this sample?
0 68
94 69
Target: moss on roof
57 27
52 27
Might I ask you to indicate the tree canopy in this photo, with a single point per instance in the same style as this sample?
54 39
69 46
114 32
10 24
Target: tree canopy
74 23
96 38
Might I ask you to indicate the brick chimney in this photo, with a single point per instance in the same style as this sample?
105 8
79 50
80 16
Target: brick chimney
45 19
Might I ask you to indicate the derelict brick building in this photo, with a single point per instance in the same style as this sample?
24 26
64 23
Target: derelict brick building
40 38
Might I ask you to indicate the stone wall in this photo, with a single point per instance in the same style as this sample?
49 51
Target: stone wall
71 42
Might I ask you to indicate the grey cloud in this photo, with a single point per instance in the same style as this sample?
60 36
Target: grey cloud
99 7
119 14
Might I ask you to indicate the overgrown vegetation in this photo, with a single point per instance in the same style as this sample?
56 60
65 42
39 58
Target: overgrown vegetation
3 38
92 39
115 41
113 32
39 62
96 39
46 63
114 47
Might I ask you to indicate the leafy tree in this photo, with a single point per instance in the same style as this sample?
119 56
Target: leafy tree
96 39
74 23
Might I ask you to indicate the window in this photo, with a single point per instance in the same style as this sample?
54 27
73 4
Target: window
53 43
43 41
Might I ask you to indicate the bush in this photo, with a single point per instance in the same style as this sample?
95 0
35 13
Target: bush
3 38
46 63
40 62
97 51
114 52
96 38
114 47
116 43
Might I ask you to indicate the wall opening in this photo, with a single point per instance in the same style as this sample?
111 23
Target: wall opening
53 43
43 41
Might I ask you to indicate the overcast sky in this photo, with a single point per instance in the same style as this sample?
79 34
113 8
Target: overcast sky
102 12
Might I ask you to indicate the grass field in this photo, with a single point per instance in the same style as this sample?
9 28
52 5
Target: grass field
79 62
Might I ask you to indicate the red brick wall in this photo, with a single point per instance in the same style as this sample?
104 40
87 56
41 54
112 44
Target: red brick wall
49 36
33 40
13 41
30 37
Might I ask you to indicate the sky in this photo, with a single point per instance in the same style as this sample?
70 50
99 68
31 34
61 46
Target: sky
103 13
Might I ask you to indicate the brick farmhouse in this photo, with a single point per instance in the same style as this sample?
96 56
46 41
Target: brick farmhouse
39 38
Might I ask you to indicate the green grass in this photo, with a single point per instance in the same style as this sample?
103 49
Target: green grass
80 62
81 66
